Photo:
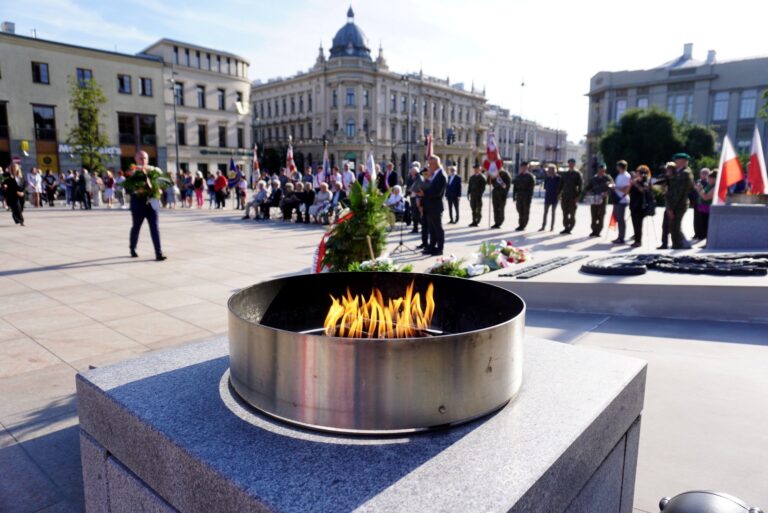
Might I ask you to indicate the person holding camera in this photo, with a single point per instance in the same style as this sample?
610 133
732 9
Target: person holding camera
641 201
621 196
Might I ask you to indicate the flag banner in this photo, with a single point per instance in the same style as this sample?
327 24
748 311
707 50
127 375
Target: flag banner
370 170
256 169
326 167
492 161
612 223
428 147
289 163
756 173
729 172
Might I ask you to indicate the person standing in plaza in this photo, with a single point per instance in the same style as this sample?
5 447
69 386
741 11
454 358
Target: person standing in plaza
551 190
570 192
13 194
347 178
120 188
50 184
677 199
641 202
84 188
698 229
199 186
109 189
598 188
706 194
220 188
522 194
34 187
669 174
500 183
475 191
389 179
69 188
145 189
412 186
621 188
432 195
452 194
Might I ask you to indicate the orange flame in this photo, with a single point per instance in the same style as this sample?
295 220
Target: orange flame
355 317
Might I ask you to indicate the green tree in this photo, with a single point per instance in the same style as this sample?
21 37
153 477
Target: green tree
87 135
764 110
652 136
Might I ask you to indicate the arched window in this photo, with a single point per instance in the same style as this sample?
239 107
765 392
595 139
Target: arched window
351 130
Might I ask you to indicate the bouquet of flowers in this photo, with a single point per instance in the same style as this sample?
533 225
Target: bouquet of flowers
381 264
147 182
453 266
500 255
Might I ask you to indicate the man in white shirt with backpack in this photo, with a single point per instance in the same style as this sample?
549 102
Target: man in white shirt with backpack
622 183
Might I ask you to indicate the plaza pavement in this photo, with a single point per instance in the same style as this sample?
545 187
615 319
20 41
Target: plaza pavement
71 298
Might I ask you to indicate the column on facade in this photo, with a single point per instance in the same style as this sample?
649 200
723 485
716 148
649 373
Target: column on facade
360 120
340 106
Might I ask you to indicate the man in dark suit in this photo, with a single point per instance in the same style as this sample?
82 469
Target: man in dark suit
389 179
452 194
273 200
433 193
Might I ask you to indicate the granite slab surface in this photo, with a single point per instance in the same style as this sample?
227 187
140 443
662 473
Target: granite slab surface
171 419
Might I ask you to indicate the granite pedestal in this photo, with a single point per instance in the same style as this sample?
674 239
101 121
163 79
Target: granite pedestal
738 227
164 433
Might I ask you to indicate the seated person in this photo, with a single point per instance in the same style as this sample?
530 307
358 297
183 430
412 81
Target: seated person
273 200
322 200
396 200
307 198
259 197
290 202
338 198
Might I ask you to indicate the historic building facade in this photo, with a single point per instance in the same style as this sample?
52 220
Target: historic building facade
525 140
726 96
357 105
35 113
210 121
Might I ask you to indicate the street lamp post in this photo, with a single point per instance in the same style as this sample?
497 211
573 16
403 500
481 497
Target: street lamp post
408 121
172 81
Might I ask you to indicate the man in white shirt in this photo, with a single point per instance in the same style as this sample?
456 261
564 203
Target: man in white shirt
347 178
621 196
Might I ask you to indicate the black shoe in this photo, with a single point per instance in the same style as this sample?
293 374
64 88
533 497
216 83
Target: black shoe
414 231
519 229
663 246
160 258
421 246
636 244
436 252
245 217
594 234
542 228
496 227
471 225
134 254
617 241
564 232
427 251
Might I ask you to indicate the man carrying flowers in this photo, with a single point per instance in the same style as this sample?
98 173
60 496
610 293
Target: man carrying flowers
145 186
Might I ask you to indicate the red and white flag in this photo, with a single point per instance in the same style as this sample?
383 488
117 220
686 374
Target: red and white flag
370 171
729 173
756 174
492 161
428 148
256 169
289 163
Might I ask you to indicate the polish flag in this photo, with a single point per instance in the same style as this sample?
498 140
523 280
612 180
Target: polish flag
256 169
492 161
756 175
428 149
370 171
729 172
289 163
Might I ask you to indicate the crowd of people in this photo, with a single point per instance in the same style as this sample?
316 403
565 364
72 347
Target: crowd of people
314 196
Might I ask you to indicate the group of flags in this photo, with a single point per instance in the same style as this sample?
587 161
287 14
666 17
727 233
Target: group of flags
730 172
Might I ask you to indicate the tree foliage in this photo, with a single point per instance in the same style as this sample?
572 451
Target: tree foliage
651 137
87 135
348 243
764 110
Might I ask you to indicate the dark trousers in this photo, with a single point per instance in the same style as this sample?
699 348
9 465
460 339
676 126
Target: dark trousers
453 204
476 204
676 230
415 215
619 210
665 230
50 195
435 226
523 205
547 208
16 206
87 200
569 212
425 233
220 199
700 224
499 202
637 224
598 217
141 210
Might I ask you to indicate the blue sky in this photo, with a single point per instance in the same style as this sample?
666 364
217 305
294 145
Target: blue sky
555 46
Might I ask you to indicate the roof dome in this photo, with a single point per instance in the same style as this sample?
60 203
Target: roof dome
350 40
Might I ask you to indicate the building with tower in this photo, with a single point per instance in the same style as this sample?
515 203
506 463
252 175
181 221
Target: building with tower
357 105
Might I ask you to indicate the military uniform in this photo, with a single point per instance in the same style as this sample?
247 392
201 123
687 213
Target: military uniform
522 194
677 202
570 191
500 188
475 190
598 187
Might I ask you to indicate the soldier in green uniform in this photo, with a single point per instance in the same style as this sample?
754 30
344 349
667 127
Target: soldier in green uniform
570 191
680 186
500 183
475 190
597 190
522 194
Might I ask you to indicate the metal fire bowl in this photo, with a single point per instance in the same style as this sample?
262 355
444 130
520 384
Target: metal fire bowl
375 386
